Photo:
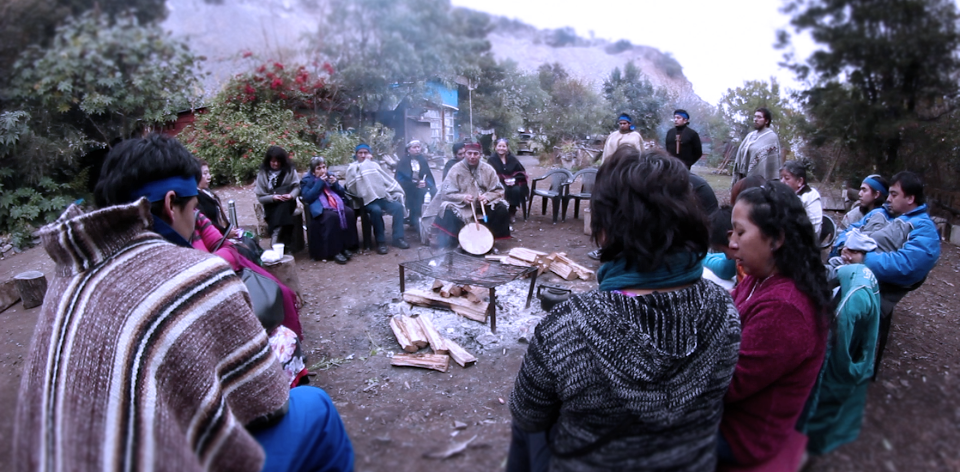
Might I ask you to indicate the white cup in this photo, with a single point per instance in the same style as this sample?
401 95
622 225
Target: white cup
278 248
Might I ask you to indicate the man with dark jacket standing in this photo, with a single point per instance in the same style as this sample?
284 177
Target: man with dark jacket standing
683 142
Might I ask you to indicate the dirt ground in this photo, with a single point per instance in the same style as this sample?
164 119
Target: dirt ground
395 416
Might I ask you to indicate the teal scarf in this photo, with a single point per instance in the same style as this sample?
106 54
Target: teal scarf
674 271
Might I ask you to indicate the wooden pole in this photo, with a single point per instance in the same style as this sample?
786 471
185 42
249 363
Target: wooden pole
32 287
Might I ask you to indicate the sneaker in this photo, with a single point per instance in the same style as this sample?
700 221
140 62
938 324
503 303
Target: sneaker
381 248
347 253
339 259
595 254
400 243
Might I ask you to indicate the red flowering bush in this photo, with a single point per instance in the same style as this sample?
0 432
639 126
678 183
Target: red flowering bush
272 105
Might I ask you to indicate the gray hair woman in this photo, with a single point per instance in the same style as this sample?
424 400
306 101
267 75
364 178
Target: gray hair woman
332 227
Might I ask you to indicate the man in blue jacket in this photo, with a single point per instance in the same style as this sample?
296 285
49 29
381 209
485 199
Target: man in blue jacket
917 256
905 269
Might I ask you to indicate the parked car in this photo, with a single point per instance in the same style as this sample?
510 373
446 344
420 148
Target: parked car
528 144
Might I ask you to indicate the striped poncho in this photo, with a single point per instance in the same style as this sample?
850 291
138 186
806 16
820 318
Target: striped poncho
146 356
368 181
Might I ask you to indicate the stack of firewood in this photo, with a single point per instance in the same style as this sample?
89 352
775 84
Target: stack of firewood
556 262
417 332
464 300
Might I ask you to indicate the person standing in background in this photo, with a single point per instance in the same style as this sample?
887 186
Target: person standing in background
683 142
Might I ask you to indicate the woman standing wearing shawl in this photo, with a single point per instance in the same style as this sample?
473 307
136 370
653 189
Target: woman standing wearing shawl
632 377
414 175
759 153
277 190
333 225
512 175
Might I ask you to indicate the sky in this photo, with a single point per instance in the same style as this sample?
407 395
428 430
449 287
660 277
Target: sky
720 43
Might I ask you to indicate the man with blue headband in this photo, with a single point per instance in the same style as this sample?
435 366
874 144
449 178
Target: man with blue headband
380 193
625 135
147 354
683 142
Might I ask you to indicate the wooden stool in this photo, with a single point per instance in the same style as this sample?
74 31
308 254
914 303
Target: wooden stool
286 272
32 286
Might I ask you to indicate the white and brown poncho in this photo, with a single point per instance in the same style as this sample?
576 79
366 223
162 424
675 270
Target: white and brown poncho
146 355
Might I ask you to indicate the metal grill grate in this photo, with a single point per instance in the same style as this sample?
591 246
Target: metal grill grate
466 270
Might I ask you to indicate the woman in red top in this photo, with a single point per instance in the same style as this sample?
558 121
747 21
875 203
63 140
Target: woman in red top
784 305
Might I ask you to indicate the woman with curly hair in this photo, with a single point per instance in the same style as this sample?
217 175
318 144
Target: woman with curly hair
632 376
784 305
278 186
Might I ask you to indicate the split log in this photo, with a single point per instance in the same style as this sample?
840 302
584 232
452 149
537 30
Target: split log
437 283
8 294
32 286
413 332
563 270
405 342
450 290
497 257
433 337
459 354
476 312
526 255
439 362
510 260
474 294
582 272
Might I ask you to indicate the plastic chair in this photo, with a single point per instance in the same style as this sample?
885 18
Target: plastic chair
558 184
587 177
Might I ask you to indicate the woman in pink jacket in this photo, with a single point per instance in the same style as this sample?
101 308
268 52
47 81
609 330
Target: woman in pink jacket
784 304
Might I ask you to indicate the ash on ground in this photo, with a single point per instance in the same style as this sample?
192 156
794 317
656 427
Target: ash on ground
515 324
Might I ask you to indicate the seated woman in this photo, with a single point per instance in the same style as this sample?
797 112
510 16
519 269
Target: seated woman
873 193
720 261
784 312
632 377
512 175
208 202
794 175
206 238
415 177
333 225
278 186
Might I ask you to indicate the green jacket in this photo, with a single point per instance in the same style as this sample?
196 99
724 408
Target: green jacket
837 400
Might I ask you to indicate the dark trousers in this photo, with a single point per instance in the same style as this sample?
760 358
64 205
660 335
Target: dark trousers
414 196
395 209
528 451
450 224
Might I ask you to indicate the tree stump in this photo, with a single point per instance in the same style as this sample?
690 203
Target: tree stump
32 287
286 272
8 294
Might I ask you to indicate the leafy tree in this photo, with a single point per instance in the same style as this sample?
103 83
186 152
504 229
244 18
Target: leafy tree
107 79
27 22
574 112
884 82
505 97
272 105
386 49
631 92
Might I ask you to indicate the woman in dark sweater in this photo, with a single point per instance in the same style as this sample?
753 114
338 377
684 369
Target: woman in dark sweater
415 177
512 175
784 305
632 377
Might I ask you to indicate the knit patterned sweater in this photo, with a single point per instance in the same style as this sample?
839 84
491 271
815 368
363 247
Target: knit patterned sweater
146 356
650 370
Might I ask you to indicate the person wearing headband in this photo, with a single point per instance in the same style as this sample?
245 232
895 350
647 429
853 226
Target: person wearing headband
625 135
180 350
471 181
415 177
873 193
683 142
380 193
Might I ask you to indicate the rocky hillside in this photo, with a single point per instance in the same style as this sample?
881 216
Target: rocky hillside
222 30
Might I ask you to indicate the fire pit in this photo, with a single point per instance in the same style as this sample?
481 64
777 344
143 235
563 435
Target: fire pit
462 269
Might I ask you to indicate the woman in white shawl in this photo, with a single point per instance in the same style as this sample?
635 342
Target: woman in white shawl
759 152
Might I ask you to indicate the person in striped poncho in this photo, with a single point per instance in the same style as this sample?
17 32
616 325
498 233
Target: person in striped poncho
147 354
